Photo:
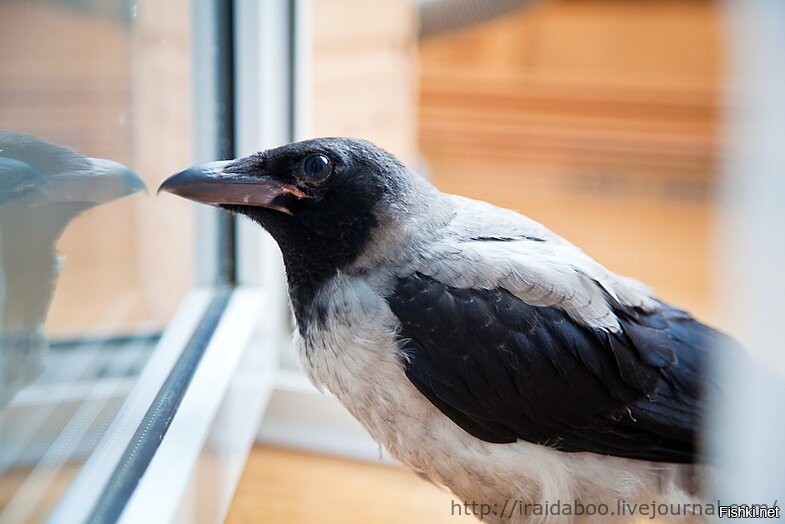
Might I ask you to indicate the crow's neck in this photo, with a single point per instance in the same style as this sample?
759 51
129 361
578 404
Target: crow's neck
313 259
30 271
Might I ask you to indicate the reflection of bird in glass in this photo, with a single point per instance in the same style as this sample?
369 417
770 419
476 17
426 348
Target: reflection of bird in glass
43 186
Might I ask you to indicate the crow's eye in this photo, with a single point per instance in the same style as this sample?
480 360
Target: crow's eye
317 167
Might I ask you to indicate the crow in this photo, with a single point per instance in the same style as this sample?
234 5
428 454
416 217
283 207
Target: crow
482 350
43 186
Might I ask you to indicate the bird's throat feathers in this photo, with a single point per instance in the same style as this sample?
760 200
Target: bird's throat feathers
311 257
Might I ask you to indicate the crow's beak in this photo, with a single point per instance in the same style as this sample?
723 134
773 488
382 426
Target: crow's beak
216 184
105 181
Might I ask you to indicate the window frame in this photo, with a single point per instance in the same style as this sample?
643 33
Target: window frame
215 364
747 424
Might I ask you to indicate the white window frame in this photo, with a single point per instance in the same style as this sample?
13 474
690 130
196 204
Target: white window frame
748 424
195 468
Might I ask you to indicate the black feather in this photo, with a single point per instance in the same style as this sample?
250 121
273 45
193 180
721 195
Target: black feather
504 370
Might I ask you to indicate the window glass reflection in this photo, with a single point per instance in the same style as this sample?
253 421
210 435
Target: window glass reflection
95 106
44 187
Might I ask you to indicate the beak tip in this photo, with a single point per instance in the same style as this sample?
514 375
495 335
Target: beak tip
137 185
173 182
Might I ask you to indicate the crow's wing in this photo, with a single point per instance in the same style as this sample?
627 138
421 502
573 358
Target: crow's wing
505 370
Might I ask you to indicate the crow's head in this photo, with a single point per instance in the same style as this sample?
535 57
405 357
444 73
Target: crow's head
320 199
43 186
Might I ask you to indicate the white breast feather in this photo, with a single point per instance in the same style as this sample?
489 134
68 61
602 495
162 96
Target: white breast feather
355 355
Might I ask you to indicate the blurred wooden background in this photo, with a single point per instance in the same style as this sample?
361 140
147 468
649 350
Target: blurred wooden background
591 88
361 74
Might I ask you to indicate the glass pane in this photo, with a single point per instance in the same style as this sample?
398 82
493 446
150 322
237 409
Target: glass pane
95 104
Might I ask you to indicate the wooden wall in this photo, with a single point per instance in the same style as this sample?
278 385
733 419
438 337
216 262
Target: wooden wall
362 72
579 87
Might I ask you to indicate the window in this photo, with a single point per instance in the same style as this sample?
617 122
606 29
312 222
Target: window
114 301
116 263
143 339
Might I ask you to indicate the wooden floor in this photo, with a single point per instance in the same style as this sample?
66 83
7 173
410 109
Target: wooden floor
294 487
284 486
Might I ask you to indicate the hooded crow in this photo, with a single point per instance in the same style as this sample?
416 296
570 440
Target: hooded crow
43 186
481 349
